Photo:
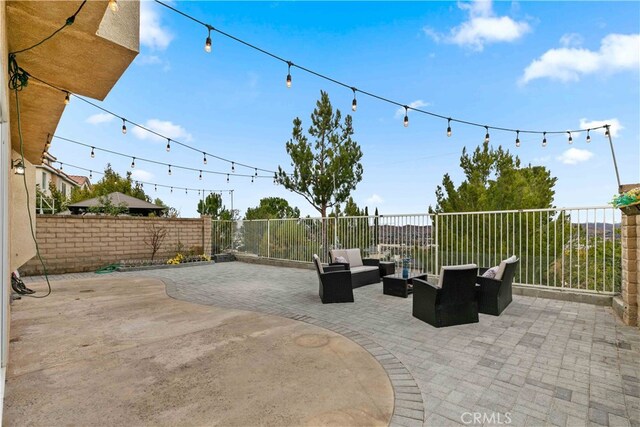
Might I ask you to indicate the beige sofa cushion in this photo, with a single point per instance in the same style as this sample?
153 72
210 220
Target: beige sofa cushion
353 255
453 267
503 265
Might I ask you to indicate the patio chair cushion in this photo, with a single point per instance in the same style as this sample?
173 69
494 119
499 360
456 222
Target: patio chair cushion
316 261
503 265
491 273
364 268
353 255
341 259
453 267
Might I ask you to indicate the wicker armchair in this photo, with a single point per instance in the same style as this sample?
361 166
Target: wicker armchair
451 302
494 295
334 282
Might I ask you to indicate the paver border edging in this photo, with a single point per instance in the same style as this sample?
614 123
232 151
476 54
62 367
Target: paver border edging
407 397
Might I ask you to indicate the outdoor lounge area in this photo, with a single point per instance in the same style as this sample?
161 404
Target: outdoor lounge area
541 362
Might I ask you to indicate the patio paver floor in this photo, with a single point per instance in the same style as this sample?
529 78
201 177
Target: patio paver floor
542 362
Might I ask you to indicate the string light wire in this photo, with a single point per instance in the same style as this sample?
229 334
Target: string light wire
364 92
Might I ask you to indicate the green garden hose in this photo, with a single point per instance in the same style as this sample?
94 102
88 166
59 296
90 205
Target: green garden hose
108 269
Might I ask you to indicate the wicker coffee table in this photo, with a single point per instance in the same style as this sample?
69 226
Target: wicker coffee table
398 286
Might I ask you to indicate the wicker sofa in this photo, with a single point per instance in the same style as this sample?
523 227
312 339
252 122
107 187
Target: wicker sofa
363 271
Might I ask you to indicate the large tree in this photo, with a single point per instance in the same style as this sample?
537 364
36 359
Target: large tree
495 180
327 170
213 207
272 208
110 182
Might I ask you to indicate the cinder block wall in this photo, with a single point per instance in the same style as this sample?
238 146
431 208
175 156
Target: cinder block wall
70 244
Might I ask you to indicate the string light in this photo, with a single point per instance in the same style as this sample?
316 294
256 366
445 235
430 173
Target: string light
570 138
168 144
185 191
227 178
207 43
90 174
204 159
588 136
544 139
517 138
133 163
200 176
129 156
252 180
155 187
449 127
486 137
233 167
113 5
124 127
67 99
406 116
171 190
289 63
354 103
169 170
93 154
606 132
61 168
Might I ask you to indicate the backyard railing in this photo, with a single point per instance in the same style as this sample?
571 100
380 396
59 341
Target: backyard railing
573 248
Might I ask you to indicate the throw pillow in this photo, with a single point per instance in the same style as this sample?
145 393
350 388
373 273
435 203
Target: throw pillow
491 273
341 259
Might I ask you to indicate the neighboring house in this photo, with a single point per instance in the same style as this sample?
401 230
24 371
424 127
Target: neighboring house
46 173
131 205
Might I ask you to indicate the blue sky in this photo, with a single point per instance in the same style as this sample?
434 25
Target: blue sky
521 65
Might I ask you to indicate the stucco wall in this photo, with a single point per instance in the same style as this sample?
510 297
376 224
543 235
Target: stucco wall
22 247
85 243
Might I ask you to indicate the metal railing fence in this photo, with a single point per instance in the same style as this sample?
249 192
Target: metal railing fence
571 248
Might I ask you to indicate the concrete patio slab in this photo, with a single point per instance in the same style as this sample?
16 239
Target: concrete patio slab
118 351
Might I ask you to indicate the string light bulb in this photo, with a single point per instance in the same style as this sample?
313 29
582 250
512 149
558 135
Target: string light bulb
233 166
113 5
200 176
486 136
124 127
90 174
588 136
448 127
207 43
570 138
67 98
204 159
168 144
544 139
227 178
155 187
252 180
133 163
256 174
169 169
517 138
354 103
171 191
185 191
289 63
93 154
61 168
606 132
406 116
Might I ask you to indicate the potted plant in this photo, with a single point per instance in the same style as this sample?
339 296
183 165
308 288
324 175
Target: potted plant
628 202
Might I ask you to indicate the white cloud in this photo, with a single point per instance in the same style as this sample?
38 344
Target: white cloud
614 126
152 33
163 127
100 118
481 28
375 199
141 175
574 156
571 40
148 60
617 52
415 104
